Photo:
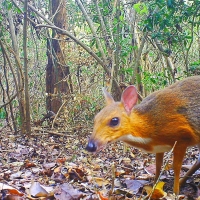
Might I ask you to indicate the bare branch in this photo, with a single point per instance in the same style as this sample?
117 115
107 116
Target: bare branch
64 32
90 23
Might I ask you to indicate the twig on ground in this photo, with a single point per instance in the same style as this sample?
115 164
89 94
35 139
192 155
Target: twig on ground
52 132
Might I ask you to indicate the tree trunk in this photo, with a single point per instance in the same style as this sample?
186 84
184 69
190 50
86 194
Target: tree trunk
27 102
20 84
57 71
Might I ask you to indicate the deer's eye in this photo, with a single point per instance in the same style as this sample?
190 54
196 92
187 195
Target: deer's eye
114 121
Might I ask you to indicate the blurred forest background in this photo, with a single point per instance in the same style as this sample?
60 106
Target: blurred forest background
55 56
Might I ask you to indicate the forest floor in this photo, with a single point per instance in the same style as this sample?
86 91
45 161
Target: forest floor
54 165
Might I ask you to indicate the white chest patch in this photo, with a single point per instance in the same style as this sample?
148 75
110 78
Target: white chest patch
134 139
161 148
144 141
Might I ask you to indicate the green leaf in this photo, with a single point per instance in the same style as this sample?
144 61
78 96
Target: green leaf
121 17
137 7
2 114
170 3
9 6
140 8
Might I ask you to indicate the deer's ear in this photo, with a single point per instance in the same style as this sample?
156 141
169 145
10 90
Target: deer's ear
109 99
129 98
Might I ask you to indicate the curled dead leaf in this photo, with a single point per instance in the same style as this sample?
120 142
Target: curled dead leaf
36 190
61 160
156 193
100 181
11 190
29 165
101 197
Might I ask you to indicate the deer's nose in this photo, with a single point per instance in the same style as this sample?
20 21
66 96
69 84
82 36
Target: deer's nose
91 146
